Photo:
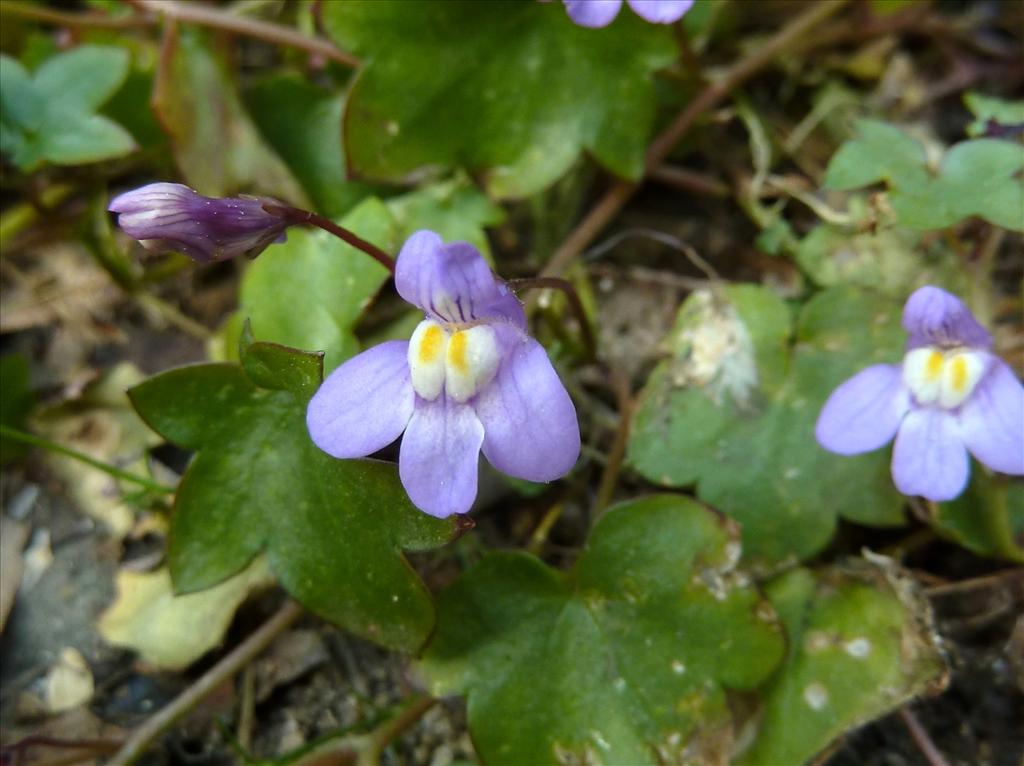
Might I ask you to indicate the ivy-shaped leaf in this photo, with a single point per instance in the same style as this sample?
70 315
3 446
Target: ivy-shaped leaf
514 89
733 410
50 116
216 144
974 178
893 260
860 644
989 111
332 530
624 659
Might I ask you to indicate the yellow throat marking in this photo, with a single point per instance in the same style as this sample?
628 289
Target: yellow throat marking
457 353
431 344
958 373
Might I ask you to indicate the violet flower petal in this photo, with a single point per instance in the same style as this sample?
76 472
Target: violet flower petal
929 458
593 13
661 11
439 456
452 282
365 404
992 420
864 412
530 426
166 216
933 317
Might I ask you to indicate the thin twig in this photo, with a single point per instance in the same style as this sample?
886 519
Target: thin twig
575 304
391 729
616 197
143 736
610 476
204 15
37 441
1005 577
297 216
689 181
173 315
246 708
16 752
190 13
64 19
924 742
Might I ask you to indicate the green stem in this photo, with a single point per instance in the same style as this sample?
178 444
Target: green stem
36 441
575 304
19 217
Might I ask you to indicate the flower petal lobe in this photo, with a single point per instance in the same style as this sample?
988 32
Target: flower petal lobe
530 425
439 457
864 412
365 404
929 458
992 421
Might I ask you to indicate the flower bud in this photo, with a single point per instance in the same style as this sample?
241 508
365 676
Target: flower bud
166 216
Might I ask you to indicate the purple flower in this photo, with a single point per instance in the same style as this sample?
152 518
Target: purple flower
601 13
950 396
470 378
165 216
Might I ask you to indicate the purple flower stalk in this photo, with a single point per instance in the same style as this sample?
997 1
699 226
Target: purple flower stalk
950 396
166 216
601 13
470 378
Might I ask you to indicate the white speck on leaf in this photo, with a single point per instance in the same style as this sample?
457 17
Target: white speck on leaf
816 695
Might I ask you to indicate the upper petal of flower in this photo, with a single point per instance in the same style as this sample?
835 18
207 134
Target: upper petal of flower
929 457
661 11
530 426
933 317
864 412
593 13
992 420
365 404
439 456
452 282
166 216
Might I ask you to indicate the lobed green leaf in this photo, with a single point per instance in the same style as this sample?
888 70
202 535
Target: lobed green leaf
623 660
332 530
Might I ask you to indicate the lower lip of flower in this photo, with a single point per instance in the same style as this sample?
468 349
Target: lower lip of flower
945 377
457 360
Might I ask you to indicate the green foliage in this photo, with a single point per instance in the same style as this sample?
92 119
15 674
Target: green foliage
331 280
974 178
989 109
859 645
733 410
513 89
50 116
625 659
332 529
890 259
455 209
16 401
302 122
217 147
988 518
